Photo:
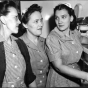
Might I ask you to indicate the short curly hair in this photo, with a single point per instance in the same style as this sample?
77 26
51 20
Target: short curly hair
29 11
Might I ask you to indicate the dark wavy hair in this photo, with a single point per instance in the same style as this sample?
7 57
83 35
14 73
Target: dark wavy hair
5 5
29 11
70 11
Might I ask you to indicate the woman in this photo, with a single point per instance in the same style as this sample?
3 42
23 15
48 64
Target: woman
12 62
64 50
33 22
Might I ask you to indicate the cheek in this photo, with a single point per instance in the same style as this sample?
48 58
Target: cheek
32 27
56 21
67 21
11 23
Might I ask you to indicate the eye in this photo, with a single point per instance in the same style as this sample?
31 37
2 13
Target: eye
16 17
36 21
41 20
56 18
64 16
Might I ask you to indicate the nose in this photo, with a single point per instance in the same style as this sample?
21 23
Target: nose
59 21
40 24
19 21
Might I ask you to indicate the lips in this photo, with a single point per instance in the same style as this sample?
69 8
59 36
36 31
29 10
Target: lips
60 25
39 28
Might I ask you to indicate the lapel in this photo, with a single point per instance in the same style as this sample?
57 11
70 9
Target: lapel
2 63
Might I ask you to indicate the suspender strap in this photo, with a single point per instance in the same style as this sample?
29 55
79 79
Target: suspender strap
2 63
29 76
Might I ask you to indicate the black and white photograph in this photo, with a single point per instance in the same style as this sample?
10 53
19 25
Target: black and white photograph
43 43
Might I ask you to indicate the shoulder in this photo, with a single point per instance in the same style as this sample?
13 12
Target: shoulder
52 37
77 32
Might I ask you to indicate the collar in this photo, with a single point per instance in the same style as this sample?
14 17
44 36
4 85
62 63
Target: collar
62 36
2 39
30 43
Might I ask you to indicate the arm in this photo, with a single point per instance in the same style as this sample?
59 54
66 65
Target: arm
85 50
69 71
54 56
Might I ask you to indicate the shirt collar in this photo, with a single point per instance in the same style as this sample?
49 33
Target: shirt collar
30 43
25 38
2 39
62 36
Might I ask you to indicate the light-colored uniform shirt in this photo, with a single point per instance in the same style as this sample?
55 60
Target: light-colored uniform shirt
39 60
15 65
69 49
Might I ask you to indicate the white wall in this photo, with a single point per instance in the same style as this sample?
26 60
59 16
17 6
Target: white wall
48 9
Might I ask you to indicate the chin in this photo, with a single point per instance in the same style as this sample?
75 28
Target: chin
38 34
62 29
16 31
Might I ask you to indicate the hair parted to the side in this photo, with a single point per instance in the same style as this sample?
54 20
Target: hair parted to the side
29 11
70 11
5 5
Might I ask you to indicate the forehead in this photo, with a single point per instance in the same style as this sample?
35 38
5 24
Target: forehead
35 15
12 11
61 12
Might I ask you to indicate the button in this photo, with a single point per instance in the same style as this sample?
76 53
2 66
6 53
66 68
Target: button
76 51
73 66
41 71
22 82
12 85
16 66
41 60
14 55
38 51
40 81
72 42
17 77
43 76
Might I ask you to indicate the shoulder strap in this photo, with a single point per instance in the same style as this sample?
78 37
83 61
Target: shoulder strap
23 48
2 63
29 76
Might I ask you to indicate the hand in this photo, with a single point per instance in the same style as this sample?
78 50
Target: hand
84 81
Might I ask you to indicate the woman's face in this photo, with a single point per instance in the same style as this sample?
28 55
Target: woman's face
12 21
63 19
35 23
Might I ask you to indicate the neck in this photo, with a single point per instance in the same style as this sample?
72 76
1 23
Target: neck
67 32
32 37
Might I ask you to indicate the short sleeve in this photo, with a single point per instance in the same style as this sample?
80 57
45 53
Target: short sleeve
53 48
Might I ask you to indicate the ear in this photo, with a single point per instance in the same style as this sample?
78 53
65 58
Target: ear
71 19
2 18
24 25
